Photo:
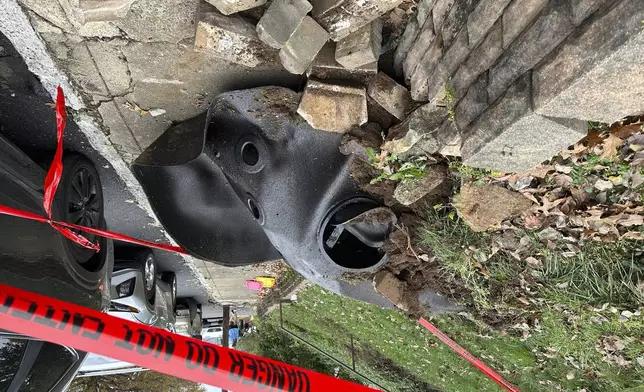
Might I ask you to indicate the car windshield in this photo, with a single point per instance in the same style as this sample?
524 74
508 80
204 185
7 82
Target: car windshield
214 340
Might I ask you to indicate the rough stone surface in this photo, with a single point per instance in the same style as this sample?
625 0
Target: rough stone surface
582 9
99 29
52 12
428 63
378 115
418 49
421 125
231 38
550 29
424 11
361 47
456 19
481 20
518 16
229 7
418 190
393 97
325 67
280 20
300 50
503 137
351 15
484 207
320 7
453 57
395 290
104 10
404 45
450 139
479 61
473 104
333 108
161 21
605 86
112 66
440 11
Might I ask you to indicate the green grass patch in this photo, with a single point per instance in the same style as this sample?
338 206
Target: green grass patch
400 355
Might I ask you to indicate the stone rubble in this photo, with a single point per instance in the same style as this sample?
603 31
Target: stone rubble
231 38
332 107
361 47
302 47
326 67
280 21
229 7
393 97
103 11
341 18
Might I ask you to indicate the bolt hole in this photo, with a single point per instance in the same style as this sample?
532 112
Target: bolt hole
250 154
253 208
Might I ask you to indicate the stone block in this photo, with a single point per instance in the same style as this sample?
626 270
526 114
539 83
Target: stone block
417 190
481 20
325 67
418 49
229 7
162 21
320 7
547 32
378 114
479 61
333 108
518 16
424 10
393 97
424 69
452 59
473 104
456 20
404 45
361 47
280 20
450 139
104 10
421 126
440 11
300 50
349 16
503 138
231 38
598 74
582 9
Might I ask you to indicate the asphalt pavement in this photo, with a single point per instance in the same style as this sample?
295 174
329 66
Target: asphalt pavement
27 119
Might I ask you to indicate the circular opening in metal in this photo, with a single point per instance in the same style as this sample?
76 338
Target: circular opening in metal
250 154
254 209
341 246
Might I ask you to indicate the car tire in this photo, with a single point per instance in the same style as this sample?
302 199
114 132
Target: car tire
79 200
148 265
171 279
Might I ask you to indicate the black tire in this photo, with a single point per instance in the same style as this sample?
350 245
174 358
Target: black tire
171 279
79 200
148 265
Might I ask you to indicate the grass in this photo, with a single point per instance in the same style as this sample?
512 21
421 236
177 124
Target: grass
397 353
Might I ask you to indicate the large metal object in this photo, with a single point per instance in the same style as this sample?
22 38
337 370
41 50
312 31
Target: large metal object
251 181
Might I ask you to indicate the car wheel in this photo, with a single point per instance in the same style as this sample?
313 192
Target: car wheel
79 200
149 269
171 279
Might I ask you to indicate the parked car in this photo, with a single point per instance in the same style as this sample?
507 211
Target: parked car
36 258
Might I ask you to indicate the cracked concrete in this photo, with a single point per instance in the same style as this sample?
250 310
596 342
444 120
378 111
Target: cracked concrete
122 69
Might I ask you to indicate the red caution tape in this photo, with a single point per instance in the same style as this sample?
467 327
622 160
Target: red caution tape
51 185
89 330
469 357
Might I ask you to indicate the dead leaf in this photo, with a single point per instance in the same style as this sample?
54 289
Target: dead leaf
523 300
580 195
632 235
530 197
594 138
540 171
551 245
625 131
532 261
563 169
603 185
563 180
532 221
629 220
611 144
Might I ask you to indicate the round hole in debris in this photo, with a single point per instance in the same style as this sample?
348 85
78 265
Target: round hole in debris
250 154
344 248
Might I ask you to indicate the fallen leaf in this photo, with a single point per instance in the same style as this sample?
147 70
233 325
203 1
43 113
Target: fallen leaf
611 144
629 220
603 185
625 131
570 375
563 180
532 221
551 245
632 235
423 257
532 261
563 169
523 300
540 171
637 179
594 138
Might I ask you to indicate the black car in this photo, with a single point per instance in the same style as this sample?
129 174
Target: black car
36 258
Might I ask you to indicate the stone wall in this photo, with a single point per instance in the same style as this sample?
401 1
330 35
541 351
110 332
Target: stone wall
523 77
